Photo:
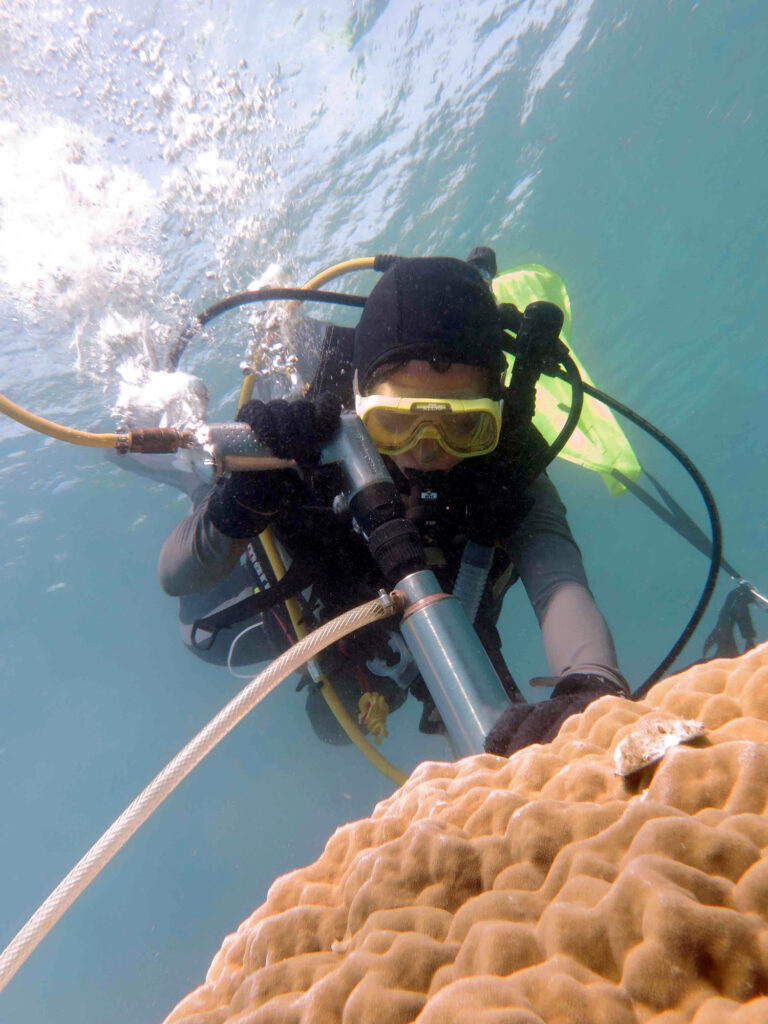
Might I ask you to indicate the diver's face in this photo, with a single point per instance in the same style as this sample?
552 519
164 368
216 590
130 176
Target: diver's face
418 379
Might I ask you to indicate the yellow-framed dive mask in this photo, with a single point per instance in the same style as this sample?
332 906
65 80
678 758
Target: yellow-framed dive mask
463 427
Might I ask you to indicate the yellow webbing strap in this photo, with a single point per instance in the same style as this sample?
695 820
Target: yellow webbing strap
373 714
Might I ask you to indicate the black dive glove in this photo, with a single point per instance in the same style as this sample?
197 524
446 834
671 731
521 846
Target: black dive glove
294 430
523 724
243 504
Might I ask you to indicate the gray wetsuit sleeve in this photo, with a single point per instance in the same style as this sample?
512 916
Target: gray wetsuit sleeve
575 634
196 555
163 469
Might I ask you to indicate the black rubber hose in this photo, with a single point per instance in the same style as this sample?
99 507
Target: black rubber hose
714 520
261 295
572 376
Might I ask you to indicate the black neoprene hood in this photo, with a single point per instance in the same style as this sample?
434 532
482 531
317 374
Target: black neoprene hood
429 307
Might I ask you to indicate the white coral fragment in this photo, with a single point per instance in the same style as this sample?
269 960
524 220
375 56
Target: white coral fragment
650 738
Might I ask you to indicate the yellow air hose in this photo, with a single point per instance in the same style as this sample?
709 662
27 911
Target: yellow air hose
347 267
159 440
43 426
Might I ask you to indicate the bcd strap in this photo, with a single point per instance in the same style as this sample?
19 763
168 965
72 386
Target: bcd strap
296 579
734 614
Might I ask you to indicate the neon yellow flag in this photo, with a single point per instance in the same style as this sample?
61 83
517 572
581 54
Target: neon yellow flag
598 442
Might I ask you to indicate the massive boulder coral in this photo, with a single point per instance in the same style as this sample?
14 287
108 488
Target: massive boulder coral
543 888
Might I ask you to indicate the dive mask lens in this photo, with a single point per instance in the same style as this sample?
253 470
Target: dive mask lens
462 427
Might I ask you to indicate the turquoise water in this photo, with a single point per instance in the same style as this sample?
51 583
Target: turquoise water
157 157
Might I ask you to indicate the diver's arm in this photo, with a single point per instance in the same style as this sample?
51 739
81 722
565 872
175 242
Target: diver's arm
162 469
204 548
576 637
575 634
197 555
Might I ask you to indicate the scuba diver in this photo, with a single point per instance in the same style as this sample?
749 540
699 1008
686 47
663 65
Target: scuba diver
424 369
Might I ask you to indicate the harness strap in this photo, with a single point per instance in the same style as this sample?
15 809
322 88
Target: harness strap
297 578
733 614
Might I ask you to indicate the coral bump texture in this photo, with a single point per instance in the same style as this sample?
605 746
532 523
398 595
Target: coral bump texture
542 889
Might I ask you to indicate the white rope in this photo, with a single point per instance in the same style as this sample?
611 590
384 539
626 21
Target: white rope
83 873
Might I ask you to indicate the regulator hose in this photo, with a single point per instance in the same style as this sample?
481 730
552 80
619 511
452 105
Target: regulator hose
571 374
714 522
306 294
100 854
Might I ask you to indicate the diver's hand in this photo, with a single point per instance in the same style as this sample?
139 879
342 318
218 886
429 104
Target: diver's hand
243 504
523 724
294 430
